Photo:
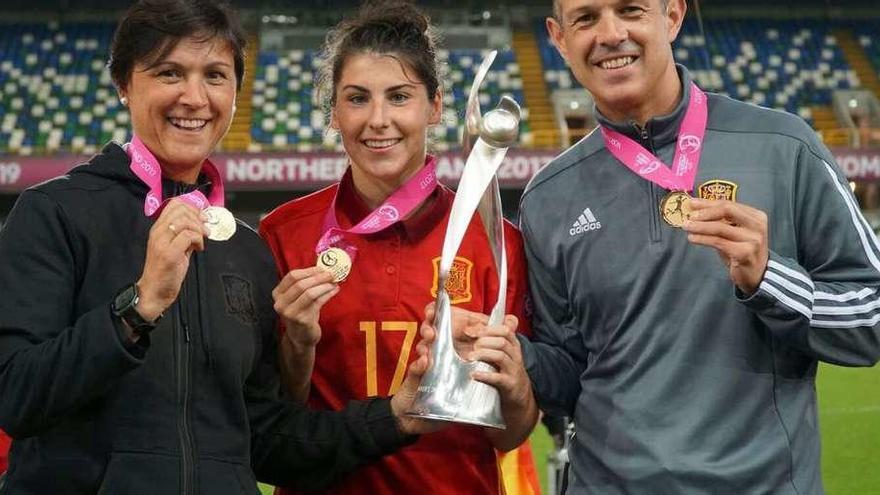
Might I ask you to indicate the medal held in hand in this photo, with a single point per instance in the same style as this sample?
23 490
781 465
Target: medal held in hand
335 261
447 391
220 223
675 208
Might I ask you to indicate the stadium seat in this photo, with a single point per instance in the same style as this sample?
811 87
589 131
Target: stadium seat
868 35
55 86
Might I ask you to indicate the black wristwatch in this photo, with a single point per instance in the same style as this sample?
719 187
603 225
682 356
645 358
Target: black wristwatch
124 306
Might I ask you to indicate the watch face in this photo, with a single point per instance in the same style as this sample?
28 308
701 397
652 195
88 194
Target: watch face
126 298
124 307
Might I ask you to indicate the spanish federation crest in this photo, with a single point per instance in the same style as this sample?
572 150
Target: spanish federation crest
239 299
716 189
458 285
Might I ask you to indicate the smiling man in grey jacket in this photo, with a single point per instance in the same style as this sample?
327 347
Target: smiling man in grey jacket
706 256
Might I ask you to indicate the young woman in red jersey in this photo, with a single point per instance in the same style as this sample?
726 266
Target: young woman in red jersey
355 337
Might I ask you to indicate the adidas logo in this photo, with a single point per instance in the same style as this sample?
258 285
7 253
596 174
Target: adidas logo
585 223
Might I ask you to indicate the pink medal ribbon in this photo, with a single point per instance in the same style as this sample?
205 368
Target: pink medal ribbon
400 204
681 176
147 168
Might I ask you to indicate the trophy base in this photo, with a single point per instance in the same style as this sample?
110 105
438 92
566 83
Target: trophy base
458 419
447 392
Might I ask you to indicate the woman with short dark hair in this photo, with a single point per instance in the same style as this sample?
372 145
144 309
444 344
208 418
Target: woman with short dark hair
138 348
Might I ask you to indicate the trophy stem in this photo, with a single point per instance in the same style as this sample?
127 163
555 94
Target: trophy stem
493 222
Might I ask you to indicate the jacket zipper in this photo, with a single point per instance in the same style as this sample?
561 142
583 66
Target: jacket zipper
183 372
653 189
183 393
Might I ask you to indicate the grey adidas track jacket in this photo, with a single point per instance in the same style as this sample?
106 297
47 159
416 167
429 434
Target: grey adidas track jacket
677 384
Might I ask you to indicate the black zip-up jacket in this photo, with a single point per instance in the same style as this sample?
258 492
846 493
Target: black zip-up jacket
193 408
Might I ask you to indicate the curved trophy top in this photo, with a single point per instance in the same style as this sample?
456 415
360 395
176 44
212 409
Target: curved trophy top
500 127
472 114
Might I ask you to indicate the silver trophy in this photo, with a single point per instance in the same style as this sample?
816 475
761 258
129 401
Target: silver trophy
447 391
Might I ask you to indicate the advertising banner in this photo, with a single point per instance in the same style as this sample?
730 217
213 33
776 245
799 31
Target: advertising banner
309 171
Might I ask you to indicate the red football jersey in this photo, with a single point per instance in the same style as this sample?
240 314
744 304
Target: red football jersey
370 328
5 442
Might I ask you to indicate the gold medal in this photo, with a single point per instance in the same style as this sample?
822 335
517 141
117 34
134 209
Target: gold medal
220 223
335 261
675 208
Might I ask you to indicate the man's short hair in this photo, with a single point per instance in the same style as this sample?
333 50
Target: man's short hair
557 10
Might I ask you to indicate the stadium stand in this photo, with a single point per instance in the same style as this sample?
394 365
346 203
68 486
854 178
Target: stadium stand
56 95
285 113
865 56
56 91
868 33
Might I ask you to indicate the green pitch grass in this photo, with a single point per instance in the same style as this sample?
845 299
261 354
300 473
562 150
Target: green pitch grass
849 417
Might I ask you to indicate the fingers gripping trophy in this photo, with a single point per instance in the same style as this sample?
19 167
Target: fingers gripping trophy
447 391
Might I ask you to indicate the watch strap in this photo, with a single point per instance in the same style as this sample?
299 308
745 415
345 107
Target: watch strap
125 307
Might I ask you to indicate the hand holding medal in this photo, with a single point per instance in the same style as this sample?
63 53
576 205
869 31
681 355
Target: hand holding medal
298 298
177 233
738 232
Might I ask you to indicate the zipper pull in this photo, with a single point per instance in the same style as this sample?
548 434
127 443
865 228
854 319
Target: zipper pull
186 333
642 131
